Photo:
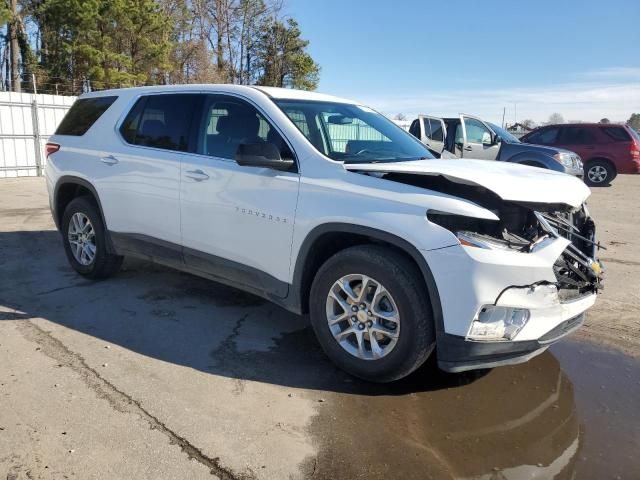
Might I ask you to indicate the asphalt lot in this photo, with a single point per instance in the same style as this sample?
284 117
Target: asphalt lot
160 375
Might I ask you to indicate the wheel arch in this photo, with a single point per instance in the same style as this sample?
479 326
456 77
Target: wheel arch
602 159
69 187
537 160
327 239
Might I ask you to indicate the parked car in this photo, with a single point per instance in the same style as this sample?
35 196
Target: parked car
470 137
605 148
326 207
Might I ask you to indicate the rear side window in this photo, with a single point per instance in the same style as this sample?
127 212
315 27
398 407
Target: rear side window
161 121
433 129
578 135
617 134
83 114
415 129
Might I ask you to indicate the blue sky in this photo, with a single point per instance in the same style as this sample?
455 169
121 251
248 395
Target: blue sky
580 58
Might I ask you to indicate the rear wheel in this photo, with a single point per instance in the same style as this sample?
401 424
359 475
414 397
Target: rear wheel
85 241
598 173
370 311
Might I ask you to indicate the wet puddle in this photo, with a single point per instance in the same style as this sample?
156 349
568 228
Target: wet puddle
572 412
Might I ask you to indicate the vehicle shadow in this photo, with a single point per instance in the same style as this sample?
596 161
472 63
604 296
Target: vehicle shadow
182 319
517 421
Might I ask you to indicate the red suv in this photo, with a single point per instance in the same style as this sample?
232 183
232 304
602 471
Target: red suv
606 149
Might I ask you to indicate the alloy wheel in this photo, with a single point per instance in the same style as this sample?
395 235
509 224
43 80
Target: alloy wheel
82 239
597 174
363 317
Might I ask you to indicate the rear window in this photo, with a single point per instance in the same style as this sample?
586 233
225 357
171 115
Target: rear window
83 114
617 134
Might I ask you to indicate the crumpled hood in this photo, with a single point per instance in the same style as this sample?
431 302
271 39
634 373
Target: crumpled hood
511 182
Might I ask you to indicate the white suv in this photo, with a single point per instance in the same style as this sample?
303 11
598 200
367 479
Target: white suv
326 207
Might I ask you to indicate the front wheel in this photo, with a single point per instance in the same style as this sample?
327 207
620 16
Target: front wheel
371 313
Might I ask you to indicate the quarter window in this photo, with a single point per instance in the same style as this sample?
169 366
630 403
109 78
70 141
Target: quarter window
161 121
83 114
228 122
617 134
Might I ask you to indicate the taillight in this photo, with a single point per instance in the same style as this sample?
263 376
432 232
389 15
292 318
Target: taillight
635 151
52 148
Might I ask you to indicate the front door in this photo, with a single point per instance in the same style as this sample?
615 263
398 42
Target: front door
474 139
237 221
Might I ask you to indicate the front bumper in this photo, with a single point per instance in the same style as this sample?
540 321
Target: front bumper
457 354
470 278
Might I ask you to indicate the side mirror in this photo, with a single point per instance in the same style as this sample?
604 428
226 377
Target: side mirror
265 155
486 139
497 139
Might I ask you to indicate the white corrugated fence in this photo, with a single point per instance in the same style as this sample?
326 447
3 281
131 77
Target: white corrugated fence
26 122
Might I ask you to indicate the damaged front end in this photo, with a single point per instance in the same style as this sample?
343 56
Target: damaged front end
526 229
523 227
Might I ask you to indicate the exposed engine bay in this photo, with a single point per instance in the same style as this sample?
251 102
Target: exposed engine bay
521 227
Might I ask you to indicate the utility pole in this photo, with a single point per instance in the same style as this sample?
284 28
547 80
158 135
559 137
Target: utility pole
14 58
504 111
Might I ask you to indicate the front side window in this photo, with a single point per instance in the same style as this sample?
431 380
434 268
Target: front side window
83 114
352 133
476 130
161 121
547 136
228 122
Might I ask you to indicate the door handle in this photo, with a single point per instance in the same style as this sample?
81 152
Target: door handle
110 160
468 148
197 175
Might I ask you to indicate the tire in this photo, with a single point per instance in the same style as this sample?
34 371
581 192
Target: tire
598 173
102 264
415 329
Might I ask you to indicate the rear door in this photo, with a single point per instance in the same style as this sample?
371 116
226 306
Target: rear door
579 139
433 132
475 139
139 178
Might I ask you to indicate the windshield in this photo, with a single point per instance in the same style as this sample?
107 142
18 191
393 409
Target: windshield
503 134
352 133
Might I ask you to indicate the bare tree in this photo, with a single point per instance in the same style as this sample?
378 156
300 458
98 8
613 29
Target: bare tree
400 117
555 118
605 120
